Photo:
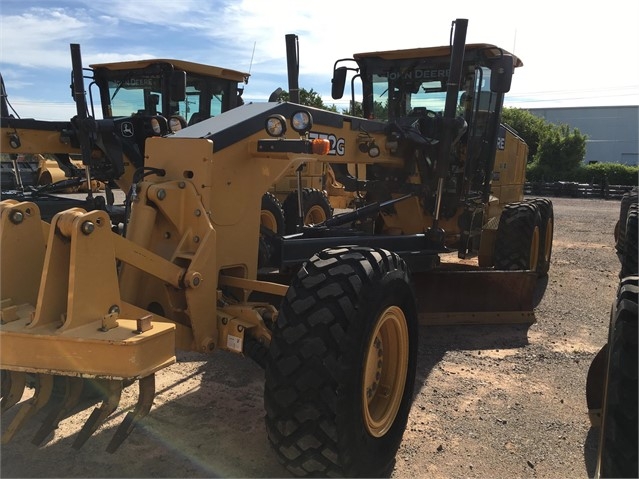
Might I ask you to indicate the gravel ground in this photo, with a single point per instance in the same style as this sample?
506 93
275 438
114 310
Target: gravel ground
492 401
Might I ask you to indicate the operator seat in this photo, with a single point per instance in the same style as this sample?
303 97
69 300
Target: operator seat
197 117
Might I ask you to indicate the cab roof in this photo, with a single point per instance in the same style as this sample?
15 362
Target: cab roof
189 67
490 51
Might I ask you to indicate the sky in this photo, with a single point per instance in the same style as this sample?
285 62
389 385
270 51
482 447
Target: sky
574 54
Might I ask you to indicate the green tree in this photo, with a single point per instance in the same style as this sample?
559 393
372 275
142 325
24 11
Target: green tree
556 152
559 156
530 127
359 111
308 98
561 148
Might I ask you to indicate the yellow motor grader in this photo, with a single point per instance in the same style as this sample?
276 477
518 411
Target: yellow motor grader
334 319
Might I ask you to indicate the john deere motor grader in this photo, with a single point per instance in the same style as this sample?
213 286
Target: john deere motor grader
339 345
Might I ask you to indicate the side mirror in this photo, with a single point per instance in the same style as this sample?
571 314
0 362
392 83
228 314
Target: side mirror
178 85
501 74
338 81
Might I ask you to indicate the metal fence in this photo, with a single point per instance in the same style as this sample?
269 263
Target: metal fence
576 190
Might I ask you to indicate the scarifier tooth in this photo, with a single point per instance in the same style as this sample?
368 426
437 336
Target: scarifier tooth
43 390
142 408
72 395
13 384
99 415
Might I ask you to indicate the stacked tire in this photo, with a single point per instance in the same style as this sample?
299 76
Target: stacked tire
627 200
628 254
618 440
617 453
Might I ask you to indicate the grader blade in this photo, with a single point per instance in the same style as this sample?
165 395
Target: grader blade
71 398
13 383
462 294
142 408
100 414
43 390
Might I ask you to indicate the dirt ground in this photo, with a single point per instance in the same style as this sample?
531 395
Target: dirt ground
492 401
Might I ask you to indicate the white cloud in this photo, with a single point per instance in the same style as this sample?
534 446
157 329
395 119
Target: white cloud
27 39
570 53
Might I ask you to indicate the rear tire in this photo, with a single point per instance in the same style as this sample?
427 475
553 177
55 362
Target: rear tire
341 364
315 206
517 245
546 234
272 219
272 214
617 454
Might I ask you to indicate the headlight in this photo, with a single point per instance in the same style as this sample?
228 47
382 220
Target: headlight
275 125
302 121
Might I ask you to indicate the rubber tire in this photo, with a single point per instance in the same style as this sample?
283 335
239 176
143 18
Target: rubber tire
315 205
272 213
627 199
546 234
518 237
629 253
315 416
271 218
617 452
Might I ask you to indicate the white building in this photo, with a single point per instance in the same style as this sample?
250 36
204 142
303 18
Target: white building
612 131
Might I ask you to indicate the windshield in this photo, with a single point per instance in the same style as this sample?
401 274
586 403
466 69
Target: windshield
131 95
136 92
413 92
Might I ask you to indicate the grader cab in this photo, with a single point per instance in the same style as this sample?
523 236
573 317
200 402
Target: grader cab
85 305
138 99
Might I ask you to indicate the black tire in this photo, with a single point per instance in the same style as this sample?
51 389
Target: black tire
272 219
627 199
629 252
315 206
617 453
546 234
344 308
517 245
272 214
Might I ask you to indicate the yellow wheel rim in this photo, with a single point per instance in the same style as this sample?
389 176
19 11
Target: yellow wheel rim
385 369
534 249
548 239
315 215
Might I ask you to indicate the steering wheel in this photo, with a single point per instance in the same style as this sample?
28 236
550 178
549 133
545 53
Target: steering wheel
422 111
